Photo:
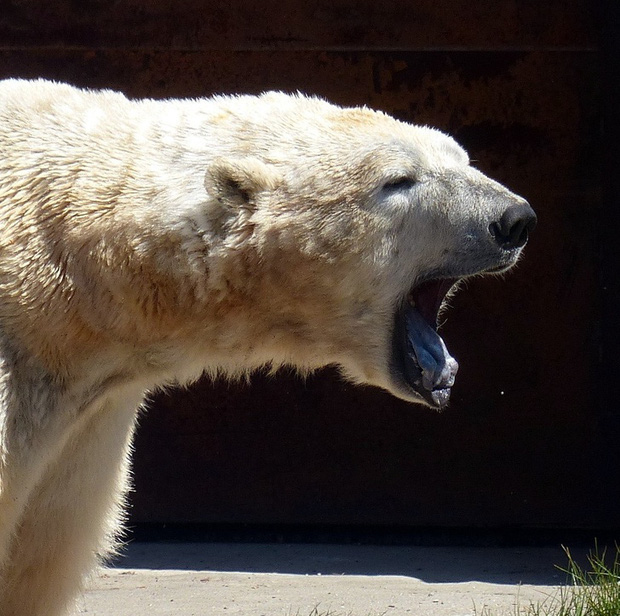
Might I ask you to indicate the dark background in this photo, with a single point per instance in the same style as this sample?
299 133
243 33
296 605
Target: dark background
531 439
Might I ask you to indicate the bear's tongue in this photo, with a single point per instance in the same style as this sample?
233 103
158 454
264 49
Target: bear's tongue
429 368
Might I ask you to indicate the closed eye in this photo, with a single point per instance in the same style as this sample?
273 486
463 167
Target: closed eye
400 183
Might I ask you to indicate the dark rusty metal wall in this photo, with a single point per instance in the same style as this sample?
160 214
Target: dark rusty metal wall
527 440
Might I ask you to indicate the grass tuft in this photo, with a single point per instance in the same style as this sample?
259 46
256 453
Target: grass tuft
593 591
319 612
590 591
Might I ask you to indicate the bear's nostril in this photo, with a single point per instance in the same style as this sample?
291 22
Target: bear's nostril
513 228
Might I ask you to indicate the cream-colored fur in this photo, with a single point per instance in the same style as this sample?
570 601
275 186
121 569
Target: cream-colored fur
145 242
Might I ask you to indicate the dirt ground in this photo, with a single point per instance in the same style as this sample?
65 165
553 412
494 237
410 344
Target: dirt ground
205 579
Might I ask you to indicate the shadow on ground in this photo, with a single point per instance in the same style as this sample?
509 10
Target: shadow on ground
429 564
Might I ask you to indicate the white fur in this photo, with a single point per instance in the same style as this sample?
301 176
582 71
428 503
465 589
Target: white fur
144 242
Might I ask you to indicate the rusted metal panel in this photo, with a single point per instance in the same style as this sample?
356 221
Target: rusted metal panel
297 24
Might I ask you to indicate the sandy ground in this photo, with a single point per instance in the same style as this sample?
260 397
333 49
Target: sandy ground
204 579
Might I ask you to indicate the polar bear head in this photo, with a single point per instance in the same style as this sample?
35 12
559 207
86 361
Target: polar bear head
346 230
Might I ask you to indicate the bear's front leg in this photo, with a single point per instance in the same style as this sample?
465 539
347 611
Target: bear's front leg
71 519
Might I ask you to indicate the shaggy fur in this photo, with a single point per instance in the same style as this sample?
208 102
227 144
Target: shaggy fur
145 242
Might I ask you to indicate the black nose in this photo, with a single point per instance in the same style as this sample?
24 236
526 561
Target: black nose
513 228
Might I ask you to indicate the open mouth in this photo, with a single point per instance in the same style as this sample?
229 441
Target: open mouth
421 360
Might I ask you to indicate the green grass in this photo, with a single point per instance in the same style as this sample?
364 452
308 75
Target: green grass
593 590
317 612
590 591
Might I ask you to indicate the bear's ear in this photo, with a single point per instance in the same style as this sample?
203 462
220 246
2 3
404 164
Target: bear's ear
237 182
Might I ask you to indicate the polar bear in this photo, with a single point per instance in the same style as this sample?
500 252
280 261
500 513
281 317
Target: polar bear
146 242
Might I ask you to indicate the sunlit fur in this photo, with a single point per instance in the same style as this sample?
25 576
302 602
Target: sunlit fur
143 243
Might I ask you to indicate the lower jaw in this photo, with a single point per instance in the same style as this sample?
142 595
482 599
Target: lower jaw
401 376
436 399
